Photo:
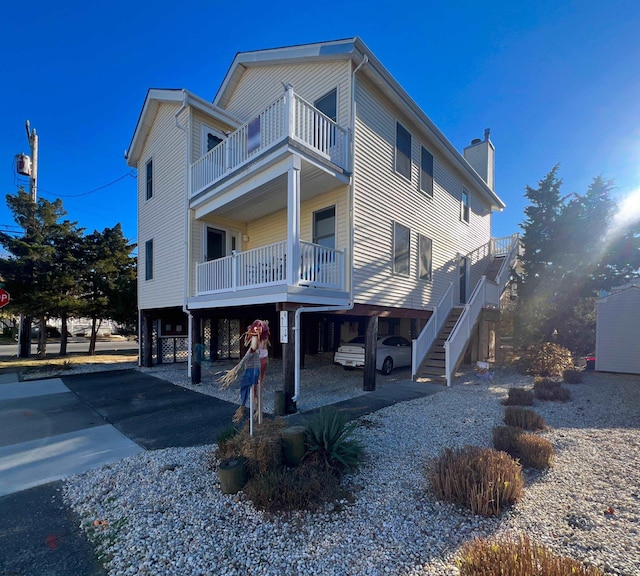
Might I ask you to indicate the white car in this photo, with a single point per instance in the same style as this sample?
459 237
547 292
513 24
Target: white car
392 352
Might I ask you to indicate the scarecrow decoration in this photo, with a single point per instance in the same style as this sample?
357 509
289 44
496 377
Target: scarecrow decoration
254 363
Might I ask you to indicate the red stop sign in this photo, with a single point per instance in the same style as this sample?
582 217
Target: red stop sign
4 297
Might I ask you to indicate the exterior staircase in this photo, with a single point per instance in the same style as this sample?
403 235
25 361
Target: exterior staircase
494 268
433 366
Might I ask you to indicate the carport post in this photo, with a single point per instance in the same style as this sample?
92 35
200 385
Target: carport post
289 365
196 349
370 349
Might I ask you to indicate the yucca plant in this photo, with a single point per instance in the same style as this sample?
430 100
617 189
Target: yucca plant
327 439
517 556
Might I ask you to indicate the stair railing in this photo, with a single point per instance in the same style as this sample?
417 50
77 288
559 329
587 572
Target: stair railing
421 345
511 254
485 292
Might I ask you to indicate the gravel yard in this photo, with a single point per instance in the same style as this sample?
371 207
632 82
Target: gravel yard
163 511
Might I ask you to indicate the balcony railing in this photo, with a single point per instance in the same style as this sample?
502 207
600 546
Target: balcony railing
319 267
289 116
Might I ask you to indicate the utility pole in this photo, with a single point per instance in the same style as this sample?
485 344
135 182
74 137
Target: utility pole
24 331
33 143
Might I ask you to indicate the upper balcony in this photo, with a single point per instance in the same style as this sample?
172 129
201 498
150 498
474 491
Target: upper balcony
289 118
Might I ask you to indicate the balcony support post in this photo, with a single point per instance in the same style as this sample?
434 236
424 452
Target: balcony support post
293 222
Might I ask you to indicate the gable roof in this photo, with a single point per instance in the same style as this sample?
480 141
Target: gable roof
356 50
153 99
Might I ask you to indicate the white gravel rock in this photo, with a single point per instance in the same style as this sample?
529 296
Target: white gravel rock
166 514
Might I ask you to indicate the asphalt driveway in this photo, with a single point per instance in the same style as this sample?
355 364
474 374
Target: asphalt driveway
61 426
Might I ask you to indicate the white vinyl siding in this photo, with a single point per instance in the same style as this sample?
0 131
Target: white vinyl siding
617 332
262 85
165 214
382 196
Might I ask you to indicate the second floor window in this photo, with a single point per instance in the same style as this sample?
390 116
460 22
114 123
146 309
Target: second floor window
148 260
401 249
210 139
403 151
149 180
426 172
464 206
328 104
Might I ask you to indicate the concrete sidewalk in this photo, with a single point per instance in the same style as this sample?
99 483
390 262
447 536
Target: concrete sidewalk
48 433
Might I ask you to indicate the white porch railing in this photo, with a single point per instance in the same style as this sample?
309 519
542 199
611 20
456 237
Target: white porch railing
289 116
507 247
422 344
267 266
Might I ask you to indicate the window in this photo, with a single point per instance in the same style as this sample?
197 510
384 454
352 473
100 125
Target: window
324 227
148 260
326 131
401 249
426 172
210 139
464 206
403 151
424 257
149 179
328 104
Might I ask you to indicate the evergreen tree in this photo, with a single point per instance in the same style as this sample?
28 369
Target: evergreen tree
34 271
108 280
574 248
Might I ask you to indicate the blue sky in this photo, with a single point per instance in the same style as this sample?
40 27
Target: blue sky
556 81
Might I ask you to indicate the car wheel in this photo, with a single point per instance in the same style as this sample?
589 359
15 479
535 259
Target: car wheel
387 366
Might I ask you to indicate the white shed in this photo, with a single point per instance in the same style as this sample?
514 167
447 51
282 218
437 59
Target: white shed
618 331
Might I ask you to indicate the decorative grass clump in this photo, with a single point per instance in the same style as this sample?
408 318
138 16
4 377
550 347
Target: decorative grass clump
547 389
549 359
517 556
481 479
531 450
263 450
572 376
328 440
518 397
523 418
303 488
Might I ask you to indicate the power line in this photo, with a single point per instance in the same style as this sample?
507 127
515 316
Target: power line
130 174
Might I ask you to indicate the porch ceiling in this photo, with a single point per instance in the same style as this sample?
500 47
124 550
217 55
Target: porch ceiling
272 196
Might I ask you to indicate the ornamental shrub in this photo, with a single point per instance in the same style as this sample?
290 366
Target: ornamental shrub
518 397
531 450
481 479
572 376
550 360
523 418
547 389
517 556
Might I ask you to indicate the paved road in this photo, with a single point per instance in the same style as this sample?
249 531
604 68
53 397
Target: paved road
74 346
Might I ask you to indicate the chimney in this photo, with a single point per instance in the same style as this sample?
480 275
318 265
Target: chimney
480 154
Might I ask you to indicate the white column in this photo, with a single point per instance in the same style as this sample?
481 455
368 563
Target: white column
293 221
